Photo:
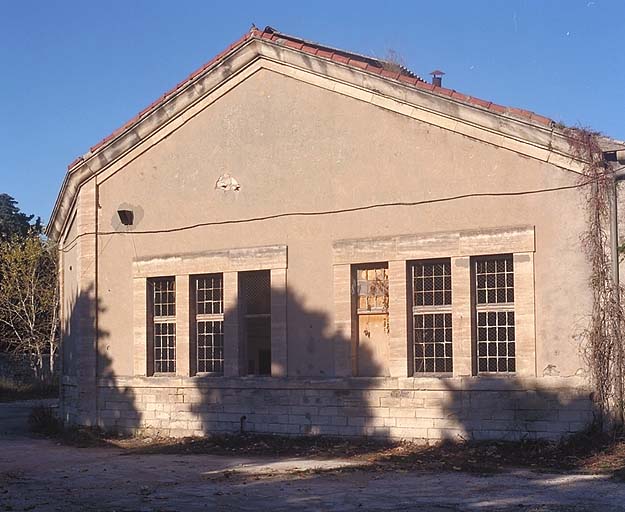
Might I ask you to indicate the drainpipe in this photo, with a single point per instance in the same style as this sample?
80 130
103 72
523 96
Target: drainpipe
619 174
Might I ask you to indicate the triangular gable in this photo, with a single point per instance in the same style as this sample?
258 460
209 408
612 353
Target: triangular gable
376 81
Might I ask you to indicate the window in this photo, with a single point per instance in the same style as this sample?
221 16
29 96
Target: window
494 311
431 316
255 325
162 325
207 352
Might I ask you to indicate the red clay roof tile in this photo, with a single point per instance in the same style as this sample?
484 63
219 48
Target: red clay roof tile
293 44
407 79
541 119
340 58
390 74
76 160
519 112
443 91
358 63
325 54
480 102
497 108
459 96
425 85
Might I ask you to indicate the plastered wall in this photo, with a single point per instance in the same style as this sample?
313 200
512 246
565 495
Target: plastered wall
294 147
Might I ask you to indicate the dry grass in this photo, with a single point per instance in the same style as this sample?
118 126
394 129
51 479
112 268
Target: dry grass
43 420
587 452
12 391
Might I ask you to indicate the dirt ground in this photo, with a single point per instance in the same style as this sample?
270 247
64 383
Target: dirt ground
260 474
43 475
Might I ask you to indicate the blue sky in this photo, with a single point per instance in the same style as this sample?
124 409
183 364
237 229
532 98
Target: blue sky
71 72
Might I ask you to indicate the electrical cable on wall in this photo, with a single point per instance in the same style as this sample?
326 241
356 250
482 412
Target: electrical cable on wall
330 212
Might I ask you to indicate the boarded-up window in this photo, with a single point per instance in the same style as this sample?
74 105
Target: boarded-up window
255 310
372 289
371 348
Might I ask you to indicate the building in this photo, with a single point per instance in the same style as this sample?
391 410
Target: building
301 240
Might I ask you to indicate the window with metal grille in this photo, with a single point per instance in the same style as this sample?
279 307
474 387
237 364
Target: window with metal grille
494 311
431 315
209 321
162 338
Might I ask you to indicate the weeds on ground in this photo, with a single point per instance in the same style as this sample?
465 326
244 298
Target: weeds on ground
264 445
44 420
590 451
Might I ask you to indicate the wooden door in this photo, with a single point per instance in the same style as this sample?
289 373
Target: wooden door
373 345
372 339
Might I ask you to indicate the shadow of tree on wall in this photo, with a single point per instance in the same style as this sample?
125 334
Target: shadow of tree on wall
207 404
473 409
429 408
426 408
90 392
467 409
290 405
449 409
513 409
476 410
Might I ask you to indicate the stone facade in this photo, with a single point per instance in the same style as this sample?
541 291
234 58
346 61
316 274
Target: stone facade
422 410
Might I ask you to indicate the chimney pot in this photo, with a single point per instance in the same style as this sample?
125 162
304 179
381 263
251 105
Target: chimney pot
437 77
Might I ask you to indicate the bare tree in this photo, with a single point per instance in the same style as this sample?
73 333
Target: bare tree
29 299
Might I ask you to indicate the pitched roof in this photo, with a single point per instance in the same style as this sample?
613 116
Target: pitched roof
382 67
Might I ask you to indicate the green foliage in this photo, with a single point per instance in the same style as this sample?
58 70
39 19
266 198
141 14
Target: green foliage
29 298
13 222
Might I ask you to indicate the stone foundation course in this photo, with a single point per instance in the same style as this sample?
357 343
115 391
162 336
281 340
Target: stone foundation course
416 409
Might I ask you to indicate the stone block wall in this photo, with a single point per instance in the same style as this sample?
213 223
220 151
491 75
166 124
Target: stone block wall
69 401
417 409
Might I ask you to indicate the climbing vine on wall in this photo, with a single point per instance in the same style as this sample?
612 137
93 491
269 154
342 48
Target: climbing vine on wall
602 339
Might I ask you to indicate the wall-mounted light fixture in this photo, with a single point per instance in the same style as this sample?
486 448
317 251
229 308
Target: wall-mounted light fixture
126 217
